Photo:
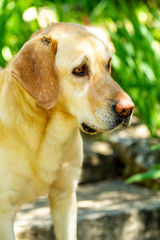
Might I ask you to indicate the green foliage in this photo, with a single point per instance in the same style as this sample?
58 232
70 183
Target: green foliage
14 31
152 173
134 27
137 61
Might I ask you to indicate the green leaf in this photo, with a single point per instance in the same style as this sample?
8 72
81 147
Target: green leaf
155 147
152 174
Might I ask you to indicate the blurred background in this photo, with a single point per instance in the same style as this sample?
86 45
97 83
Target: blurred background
133 26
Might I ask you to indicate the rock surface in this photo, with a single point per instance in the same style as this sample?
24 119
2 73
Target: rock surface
127 152
133 148
136 154
107 210
100 162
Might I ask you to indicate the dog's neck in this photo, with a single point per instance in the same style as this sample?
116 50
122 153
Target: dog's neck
22 118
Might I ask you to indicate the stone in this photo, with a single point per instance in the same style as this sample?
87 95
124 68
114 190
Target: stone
100 162
126 152
136 155
107 210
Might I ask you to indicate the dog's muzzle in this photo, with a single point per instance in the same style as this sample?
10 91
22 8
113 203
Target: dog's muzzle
123 113
123 109
122 116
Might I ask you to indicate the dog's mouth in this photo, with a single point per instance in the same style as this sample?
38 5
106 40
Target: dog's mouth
88 129
125 122
117 123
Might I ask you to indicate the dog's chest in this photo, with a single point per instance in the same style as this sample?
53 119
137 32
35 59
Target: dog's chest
57 152
32 177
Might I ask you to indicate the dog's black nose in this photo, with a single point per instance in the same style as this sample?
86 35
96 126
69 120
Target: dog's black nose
124 108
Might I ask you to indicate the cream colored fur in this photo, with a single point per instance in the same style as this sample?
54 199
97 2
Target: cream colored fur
40 143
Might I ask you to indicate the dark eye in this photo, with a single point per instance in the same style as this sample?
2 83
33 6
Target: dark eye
80 71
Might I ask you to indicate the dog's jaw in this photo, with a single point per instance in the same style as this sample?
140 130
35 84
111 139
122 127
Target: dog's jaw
87 129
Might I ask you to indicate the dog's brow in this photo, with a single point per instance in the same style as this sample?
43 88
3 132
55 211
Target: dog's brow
82 60
86 58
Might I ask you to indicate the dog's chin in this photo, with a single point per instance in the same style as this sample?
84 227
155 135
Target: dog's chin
87 129
115 124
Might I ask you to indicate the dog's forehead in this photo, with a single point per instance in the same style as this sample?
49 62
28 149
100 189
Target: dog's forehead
75 39
82 36
82 40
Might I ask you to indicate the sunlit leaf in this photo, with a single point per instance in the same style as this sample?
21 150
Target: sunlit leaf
152 174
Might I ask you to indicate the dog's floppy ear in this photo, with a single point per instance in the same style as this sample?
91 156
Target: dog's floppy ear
34 69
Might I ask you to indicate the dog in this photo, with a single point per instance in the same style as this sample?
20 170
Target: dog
59 82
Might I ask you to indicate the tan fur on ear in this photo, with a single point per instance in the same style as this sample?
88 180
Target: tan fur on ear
34 68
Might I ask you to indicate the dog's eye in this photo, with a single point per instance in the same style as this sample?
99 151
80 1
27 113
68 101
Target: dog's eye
80 71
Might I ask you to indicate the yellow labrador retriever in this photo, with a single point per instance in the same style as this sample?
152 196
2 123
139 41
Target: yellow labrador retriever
58 82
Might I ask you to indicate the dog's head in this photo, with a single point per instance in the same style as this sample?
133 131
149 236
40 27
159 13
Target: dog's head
68 66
